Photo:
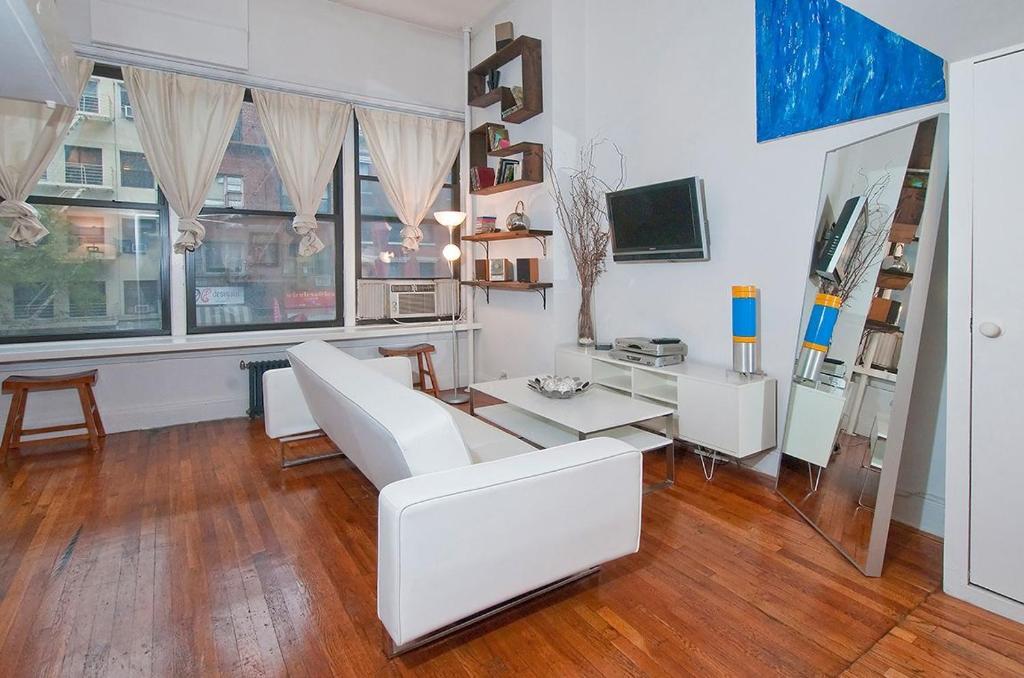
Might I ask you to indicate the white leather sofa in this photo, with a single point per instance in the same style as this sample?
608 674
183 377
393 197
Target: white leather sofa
469 516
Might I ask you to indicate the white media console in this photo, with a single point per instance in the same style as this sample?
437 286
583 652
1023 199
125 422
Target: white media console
717 410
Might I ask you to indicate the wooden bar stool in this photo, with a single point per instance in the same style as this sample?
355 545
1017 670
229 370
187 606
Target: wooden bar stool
21 386
423 362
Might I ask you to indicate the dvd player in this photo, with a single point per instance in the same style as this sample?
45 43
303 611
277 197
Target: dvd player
646 359
649 346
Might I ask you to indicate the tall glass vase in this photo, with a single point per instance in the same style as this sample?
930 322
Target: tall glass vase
585 322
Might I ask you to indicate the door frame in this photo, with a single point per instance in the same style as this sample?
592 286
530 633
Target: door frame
956 550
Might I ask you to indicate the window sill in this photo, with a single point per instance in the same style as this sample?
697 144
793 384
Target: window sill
99 348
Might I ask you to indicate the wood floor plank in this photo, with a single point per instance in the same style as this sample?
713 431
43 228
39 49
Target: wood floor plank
188 551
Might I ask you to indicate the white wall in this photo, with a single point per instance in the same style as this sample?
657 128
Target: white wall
317 45
674 86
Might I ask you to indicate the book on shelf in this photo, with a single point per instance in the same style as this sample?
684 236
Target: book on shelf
517 97
486 225
481 177
497 138
508 170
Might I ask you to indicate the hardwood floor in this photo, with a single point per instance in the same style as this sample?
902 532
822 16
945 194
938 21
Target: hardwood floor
186 551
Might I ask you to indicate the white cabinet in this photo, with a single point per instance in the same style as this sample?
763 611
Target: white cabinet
997 462
716 408
812 424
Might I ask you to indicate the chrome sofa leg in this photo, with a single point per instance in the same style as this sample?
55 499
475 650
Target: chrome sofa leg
392 649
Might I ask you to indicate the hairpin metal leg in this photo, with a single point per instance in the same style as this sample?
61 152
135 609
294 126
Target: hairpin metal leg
811 477
701 453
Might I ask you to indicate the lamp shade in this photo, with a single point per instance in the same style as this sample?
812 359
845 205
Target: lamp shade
451 252
451 219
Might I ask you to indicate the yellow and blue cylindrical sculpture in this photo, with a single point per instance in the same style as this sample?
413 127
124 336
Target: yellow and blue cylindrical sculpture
818 337
745 353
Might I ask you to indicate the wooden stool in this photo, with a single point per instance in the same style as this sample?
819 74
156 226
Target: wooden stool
21 386
423 361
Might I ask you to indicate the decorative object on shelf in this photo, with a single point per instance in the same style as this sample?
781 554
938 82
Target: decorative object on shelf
818 337
500 270
486 225
809 52
517 220
451 254
528 270
493 79
481 269
745 349
497 138
580 208
558 388
504 34
896 262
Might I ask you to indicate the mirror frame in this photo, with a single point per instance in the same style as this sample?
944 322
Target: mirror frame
935 201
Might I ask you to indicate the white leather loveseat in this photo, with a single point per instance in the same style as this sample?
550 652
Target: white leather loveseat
469 516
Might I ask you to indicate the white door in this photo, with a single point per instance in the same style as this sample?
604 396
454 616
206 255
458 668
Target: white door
997 383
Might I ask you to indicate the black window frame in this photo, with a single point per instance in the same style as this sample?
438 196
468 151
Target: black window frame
356 261
337 218
164 220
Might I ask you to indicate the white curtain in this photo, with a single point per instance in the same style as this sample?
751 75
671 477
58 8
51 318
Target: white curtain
413 155
30 134
305 137
184 125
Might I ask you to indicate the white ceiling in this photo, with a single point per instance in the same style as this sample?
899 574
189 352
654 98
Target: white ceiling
953 29
449 16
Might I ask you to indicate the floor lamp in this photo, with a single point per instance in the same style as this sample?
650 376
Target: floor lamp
452 253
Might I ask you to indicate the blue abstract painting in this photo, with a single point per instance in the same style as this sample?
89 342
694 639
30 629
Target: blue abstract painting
820 63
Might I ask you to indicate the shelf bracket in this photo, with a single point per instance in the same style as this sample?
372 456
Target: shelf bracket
543 240
544 295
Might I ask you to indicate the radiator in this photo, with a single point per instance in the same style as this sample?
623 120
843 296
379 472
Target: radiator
256 368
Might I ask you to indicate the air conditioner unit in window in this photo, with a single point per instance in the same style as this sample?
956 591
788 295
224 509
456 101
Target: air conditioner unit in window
127 111
412 299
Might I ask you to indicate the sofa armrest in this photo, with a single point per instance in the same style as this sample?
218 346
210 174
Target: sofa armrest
454 543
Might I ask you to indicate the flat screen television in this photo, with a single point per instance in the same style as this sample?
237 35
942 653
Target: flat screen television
839 243
660 222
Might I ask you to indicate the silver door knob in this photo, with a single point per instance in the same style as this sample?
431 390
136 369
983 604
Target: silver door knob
990 330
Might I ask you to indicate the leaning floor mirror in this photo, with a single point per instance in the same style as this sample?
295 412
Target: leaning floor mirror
879 211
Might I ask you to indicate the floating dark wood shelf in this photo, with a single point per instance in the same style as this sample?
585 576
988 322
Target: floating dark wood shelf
540 288
878 326
894 280
523 147
507 186
507 235
533 94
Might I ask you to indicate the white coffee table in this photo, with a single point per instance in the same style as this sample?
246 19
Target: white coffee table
546 422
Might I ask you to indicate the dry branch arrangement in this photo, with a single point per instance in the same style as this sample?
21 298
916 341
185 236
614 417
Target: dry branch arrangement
581 211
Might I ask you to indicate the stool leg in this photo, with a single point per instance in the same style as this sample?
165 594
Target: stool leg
433 376
421 373
95 409
12 431
90 421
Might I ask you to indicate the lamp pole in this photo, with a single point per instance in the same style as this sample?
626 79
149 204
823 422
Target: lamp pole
451 253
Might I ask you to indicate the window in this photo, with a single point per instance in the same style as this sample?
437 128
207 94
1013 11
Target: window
248 274
127 112
104 239
83 165
89 102
380 240
228 190
135 171
88 299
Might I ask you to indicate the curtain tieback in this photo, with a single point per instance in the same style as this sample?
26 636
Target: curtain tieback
305 226
191 234
411 237
26 229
